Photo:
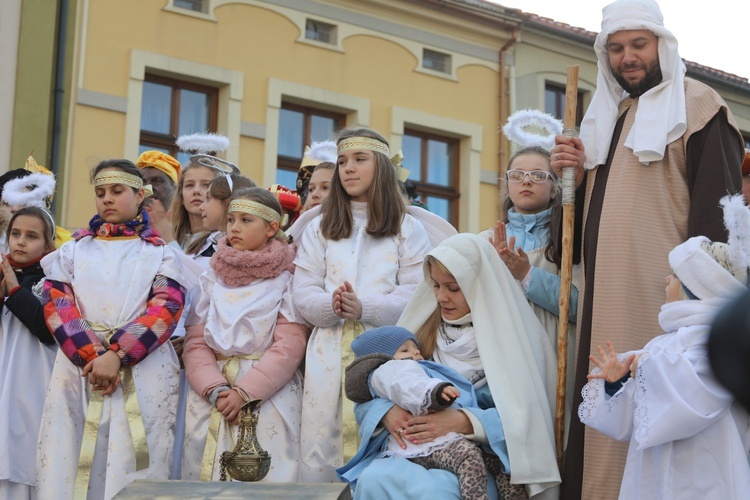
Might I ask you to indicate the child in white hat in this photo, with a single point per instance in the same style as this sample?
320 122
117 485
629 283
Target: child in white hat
688 438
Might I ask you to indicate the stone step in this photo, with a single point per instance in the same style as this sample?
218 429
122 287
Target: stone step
183 490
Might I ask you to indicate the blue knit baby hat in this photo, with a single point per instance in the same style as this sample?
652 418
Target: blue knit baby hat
384 340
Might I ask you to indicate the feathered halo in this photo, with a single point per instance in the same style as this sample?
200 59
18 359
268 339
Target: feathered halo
34 190
519 123
203 143
322 151
737 222
204 147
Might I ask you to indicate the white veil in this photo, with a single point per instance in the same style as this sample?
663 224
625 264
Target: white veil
517 356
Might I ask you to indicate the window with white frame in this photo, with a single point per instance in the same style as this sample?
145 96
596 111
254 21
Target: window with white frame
194 5
170 108
320 31
436 61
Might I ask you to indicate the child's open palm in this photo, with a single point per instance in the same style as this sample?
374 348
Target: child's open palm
514 258
612 369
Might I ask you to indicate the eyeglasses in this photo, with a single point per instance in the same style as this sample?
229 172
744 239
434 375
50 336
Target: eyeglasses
536 176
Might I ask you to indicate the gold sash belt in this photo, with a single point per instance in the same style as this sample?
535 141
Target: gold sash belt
94 416
229 371
350 433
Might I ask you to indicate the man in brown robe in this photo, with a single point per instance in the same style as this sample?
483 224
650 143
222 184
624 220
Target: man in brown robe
656 153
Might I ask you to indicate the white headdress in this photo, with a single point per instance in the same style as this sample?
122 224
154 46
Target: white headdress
661 115
34 190
319 152
203 147
517 355
203 143
531 127
717 270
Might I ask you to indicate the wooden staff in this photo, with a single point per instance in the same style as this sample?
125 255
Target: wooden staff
566 265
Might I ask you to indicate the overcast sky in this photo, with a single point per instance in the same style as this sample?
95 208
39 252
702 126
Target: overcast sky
714 33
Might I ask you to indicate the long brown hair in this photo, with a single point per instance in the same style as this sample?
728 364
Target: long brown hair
553 250
427 333
180 216
219 188
385 205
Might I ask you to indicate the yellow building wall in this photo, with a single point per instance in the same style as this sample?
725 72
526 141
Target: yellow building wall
263 44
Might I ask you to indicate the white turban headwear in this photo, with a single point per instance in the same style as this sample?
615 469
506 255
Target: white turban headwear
661 114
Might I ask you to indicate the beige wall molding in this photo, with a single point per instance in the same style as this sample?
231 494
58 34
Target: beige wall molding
102 101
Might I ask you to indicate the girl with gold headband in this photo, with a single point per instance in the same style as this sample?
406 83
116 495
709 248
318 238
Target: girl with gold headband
245 341
358 262
112 298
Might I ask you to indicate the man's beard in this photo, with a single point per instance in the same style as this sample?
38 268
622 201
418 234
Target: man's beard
649 81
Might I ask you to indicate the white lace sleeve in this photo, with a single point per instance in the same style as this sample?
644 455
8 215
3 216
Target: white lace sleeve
613 415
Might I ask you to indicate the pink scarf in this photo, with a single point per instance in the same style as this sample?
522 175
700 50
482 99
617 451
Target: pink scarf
242 267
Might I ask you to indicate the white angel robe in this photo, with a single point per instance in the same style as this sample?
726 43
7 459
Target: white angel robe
384 273
25 371
112 279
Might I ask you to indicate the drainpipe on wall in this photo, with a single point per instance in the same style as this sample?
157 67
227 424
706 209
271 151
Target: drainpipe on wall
57 98
501 153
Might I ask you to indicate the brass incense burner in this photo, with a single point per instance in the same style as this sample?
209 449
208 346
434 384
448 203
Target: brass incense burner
248 461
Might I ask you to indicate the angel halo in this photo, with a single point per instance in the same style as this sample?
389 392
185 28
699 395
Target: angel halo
522 125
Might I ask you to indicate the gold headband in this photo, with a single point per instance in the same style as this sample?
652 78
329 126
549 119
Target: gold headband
120 177
262 211
377 146
255 208
363 143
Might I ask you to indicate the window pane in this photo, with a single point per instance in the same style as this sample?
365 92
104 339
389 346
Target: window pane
440 206
146 147
552 101
194 107
436 61
196 5
290 133
156 107
411 147
322 128
183 158
438 168
320 31
286 178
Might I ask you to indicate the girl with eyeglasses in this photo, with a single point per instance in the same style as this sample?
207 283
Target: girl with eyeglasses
529 242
